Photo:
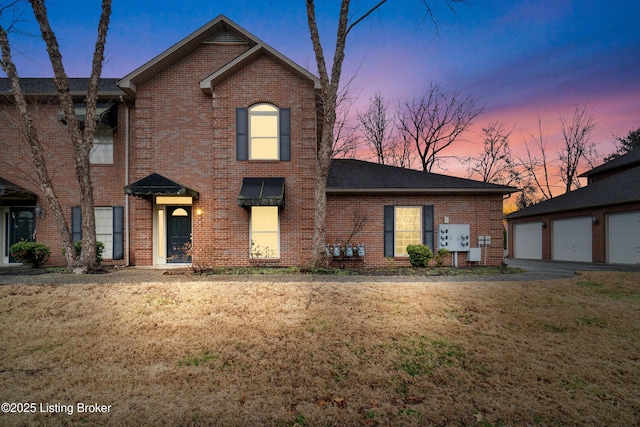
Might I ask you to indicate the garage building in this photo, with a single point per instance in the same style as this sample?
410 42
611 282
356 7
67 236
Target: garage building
597 223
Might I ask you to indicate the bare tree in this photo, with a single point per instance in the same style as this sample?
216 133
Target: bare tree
330 82
434 120
346 141
578 147
378 128
495 164
82 139
537 168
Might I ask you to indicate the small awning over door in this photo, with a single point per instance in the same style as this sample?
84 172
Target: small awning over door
157 185
261 192
11 191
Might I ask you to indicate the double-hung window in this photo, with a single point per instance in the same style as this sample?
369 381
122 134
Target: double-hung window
104 229
102 150
265 232
407 225
408 228
263 132
109 229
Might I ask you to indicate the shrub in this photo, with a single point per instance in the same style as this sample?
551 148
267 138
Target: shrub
419 255
440 255
30 253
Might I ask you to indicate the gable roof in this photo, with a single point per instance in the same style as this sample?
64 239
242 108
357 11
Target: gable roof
45 86
349 175
219 30
626 160
617 189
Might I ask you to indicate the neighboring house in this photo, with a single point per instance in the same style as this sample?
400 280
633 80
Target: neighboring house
206 154
597 223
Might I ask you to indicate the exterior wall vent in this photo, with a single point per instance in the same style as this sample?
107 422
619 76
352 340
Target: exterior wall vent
225 37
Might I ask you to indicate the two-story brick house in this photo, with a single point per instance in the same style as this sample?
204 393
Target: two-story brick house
206 154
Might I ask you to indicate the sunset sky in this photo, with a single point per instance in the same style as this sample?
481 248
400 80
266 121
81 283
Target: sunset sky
519 59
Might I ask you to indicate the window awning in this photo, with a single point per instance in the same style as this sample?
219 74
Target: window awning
106 112
11 191
157 185
261 192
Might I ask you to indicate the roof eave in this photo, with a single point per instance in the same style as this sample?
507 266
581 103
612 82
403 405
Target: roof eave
207 84
421 190
572 209
127 83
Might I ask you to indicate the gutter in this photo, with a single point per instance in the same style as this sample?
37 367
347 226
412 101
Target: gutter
126 180
419 190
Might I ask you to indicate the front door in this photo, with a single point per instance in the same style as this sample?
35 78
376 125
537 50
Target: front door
22 226
178 234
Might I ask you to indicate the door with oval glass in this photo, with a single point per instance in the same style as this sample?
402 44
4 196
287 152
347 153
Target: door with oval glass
178 234
22 226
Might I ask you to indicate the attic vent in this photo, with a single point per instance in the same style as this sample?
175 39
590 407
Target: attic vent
226 37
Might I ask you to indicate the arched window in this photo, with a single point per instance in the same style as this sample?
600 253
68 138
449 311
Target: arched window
263 132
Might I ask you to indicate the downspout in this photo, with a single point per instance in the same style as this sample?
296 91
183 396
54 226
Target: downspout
126 180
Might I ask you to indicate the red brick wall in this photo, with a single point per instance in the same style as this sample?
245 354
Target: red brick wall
190 138
16 166
482 213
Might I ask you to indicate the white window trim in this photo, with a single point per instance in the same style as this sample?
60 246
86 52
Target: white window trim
252 113
251 232
395 228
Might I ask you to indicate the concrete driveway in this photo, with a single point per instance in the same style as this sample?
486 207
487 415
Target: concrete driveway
559 269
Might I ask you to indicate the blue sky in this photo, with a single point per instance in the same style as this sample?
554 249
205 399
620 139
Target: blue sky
520 59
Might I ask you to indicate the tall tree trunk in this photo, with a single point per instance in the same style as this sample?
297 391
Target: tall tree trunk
329 93
82 141
37 152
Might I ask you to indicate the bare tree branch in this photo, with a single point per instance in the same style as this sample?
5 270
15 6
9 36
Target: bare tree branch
577 146
434 120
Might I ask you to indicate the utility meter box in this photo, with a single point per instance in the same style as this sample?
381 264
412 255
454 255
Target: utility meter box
474 255
454 237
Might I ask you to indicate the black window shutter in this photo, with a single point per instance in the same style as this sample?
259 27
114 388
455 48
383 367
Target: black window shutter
285 134
242 134
427 226
389 220
118 232
76 223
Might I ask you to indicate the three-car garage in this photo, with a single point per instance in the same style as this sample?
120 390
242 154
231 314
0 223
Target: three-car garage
572 239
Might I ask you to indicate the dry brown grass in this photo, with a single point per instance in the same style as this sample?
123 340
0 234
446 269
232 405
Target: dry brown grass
563 352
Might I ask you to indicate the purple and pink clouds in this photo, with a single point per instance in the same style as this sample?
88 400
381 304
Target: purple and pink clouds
519 59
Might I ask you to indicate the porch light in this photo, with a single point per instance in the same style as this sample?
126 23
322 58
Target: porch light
595 219
199 212
39 211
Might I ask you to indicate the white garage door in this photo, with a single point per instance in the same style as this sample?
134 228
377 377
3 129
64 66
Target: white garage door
572 239
623 238
527 240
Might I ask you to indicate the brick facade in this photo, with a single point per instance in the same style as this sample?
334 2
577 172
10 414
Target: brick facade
170 125
483 214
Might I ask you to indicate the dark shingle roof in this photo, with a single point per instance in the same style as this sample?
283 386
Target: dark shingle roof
617 189
357 175
628 159
45 86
